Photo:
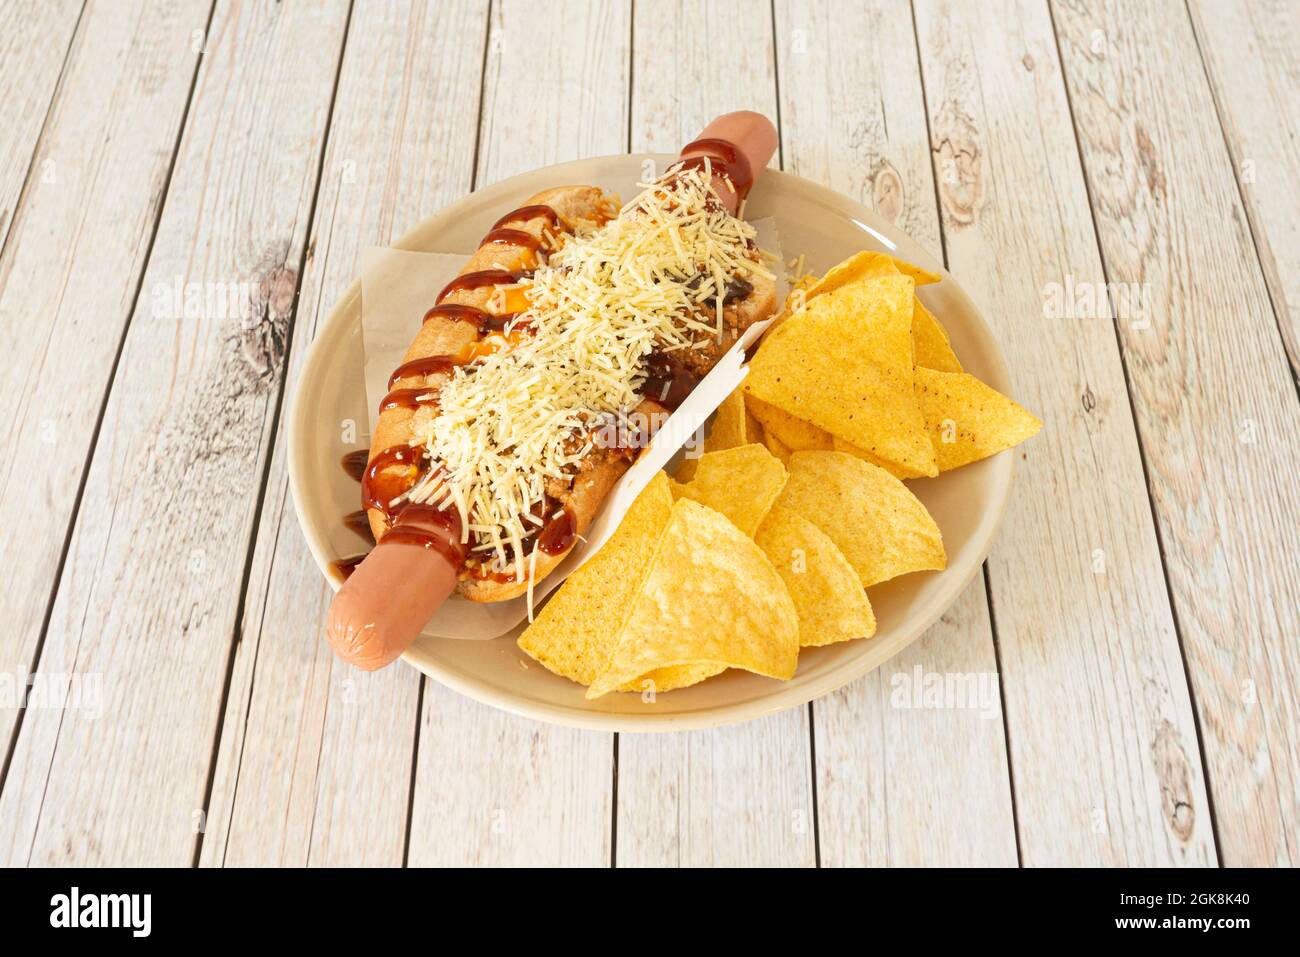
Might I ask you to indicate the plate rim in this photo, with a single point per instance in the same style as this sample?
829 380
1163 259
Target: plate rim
783 696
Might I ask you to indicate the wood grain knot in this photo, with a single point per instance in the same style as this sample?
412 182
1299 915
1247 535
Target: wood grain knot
1151 169
958 163
260 341
887 192
1175 776
278 289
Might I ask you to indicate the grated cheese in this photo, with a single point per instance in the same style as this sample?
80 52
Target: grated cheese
508 422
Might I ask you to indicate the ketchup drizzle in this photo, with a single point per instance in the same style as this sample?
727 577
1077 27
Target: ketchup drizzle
451 310
498 323
668 380
512 237
558 533
345 566
359 522
480 319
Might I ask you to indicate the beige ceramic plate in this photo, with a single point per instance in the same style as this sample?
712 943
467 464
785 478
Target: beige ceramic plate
814 221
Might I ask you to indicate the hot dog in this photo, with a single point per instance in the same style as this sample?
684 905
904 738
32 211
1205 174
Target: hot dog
463 490
466 323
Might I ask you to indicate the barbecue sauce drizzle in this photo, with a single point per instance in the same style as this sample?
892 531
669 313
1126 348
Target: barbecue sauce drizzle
444 537
723 159
417 523
484 277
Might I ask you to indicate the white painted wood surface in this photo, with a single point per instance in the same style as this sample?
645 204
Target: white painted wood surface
175 476
1215 402
33 50
1159 152
316 759
1249 49
895 786
71 267
1102 742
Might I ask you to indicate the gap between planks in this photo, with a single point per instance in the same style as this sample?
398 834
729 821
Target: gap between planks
113 368
275 425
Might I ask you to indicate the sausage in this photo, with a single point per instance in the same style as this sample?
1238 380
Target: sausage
373 618
755 140
390 596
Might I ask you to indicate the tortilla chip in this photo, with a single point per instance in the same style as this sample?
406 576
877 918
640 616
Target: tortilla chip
732 426
967 420
741 483
868 265
711 597
776 447
880 526
845 365
575 631
795 300
672 678
932 348
827 595
792 432
897 471
930 340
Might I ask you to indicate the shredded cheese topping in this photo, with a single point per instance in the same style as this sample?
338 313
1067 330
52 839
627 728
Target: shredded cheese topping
513 420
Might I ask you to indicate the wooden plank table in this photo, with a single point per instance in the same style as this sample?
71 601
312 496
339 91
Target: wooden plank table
1138 618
